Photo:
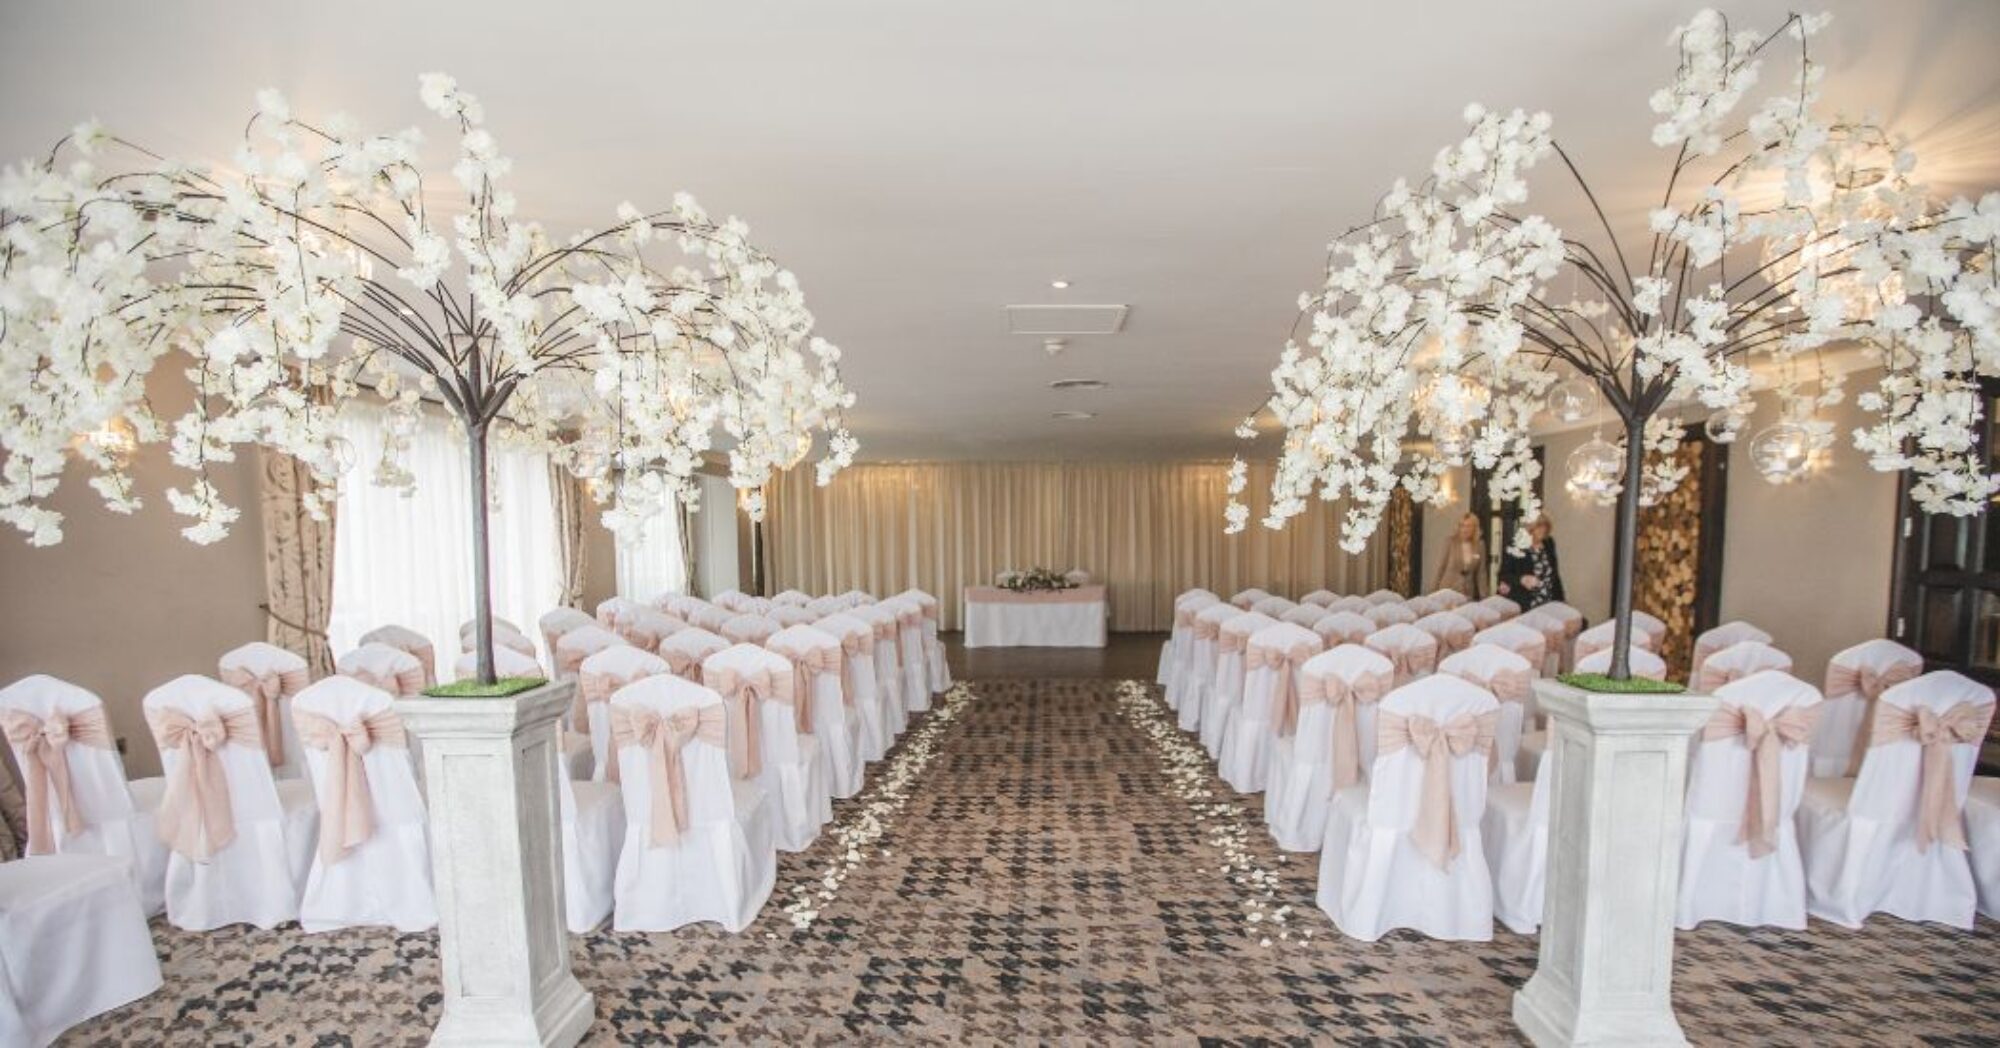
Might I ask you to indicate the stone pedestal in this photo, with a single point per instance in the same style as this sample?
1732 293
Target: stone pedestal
1605 970
490 768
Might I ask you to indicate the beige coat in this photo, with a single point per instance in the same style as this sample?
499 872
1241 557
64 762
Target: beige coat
1462 568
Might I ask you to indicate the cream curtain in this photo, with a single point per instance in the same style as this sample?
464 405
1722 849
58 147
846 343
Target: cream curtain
1148 530
298 563
566 500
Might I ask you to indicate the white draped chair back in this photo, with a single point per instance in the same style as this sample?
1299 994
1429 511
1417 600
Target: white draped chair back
241 841
1654 629
505 635
1424 605
1893 839
1740 853
1510 678
735 601
272 677
380 666
1245 598
1598 638
857 669
553 624
1726 635
1389 614
1272 662
1198 670
1306 615
857 597
646 628
685 651
759 697
1642 663
507 662
1449 599
1572 623
1501 606
1225 689
407 640
611 609
821 607
756 606
78 802
911 652
791 598
747 628
1384 596
73 945
1856 677
1350 603
887 629
1275 607
1343 627
680 605
1453 632
1525 641
787 615
1330 744
598 677
818 687
1555 639
1177 650
935 666
697 840
1737 661
1320 598
581 643
1477 613
710 617
1405 851
1414 652
372 864
1516 831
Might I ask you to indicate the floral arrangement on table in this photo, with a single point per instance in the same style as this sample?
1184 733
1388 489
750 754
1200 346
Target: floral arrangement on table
1035 580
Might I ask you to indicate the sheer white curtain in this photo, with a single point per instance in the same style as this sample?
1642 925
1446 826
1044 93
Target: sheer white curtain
408 560
651 563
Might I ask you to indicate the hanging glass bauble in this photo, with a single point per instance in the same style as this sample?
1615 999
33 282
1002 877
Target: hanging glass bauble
1573 400
1595 470
1782 452
1726 425
587 458
341 455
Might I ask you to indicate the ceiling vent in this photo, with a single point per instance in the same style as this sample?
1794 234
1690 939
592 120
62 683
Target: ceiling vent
1065 320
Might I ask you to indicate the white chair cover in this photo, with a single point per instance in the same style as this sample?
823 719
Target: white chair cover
271 676
581 643
817 659
1351 602
1501 606
1219 700
645 628
1723 636
1320 598
1343 627
593 836
1197 677
1271 681
684 652
1740 852
64 747
553 625
720 864
679 605
470 629
1477 613
1516 828
786 615
887 628
1511 680
73 944
710 617
1178 651
1572 622
372 865
1383 596
405 639
1982 834
1424 605
611 609
1737 661
1414 652
1404 850
503 637
1275 607
821 607
790 765
1304 615
597 679
1245 598
507 662
1331 744
1642 663
1525 641
747 628
912 652
790 598
857 668
1555 639
241 841
1389 614
1654 629
1855 678
1599 637
1892 840
380 666
1452 630
934 661
1449 599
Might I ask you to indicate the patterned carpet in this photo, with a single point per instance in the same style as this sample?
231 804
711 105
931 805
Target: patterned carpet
1049 881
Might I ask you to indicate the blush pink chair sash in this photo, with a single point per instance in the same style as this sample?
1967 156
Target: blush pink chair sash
43 749
664 736
196 818
1411 660
1435 831
1284 694
1509 685
809 663
597 687
266 691
347 819
745 691
1937 800
408 682
1765 737
683 664
1344 695
1207 629
856 645
1869 682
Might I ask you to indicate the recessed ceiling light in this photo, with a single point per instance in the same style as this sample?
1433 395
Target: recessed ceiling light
1059 285
1072 416
1079 383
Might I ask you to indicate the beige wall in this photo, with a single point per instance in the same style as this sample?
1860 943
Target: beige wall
124 604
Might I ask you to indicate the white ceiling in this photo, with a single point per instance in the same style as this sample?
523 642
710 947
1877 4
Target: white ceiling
921 165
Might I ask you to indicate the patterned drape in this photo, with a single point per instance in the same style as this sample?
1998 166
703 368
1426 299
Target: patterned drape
298 563
566 494
1148 530
1668 574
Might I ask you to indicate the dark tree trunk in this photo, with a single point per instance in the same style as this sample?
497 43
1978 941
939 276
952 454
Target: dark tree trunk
1626 554
482 582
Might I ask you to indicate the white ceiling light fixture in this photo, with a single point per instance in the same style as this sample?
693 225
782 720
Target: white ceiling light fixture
1059 285
1054 346
1072 416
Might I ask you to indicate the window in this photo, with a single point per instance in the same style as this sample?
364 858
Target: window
407 559
652 563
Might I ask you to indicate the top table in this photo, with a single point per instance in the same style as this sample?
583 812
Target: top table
1071 618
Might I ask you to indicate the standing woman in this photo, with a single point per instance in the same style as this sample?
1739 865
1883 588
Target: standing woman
1463 566
1533 578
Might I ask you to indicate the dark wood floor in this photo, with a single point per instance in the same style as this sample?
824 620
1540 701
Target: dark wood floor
1126 656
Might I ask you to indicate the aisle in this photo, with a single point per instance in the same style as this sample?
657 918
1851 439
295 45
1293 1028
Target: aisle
1048 880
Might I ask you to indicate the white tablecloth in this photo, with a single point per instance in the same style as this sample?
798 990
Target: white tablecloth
996 618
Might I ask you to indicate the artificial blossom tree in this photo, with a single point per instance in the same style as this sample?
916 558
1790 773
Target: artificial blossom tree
1440 334
319 266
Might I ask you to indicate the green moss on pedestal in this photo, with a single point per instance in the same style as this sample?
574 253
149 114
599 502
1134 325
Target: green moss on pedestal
472 689
1604 685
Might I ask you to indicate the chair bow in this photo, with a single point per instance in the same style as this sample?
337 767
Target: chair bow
664 736
1765 736
42 744
1869 682
807 663
1938 817
1434 833
1284 695
196 818
347 818
266 690
743 691
1206 629
1345 695
1411 660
